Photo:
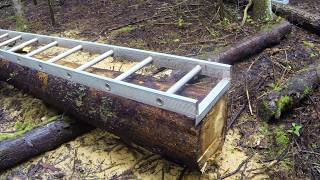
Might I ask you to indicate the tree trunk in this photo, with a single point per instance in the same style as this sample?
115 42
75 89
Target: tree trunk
53 21
20 20
164 132
275 103
39 140
262 10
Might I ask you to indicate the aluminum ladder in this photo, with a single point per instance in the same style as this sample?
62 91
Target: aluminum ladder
168 100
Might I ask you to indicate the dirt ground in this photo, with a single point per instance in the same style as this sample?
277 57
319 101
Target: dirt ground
253 149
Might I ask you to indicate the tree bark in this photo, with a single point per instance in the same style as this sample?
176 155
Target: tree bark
299 17
253 45
262 10
39 140
273 105
164 132
53 21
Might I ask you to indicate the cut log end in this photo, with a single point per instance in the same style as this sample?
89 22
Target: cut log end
212 131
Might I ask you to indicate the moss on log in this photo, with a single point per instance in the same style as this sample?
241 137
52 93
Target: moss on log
273 105
164 132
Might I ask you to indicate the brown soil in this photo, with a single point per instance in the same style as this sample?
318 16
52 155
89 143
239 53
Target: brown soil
264 150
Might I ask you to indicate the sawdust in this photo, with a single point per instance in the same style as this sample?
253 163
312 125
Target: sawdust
101 155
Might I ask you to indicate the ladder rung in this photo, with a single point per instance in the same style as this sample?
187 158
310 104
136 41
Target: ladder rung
4 35
10 40
43 48
65 54
23 45
95 60
134 69
178 85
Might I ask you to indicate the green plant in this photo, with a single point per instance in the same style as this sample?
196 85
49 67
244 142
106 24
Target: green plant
295 129
281 137
180 22
308 44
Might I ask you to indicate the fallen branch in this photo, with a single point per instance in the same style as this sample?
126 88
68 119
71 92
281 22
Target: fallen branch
253 45
275 103
39 140
299 17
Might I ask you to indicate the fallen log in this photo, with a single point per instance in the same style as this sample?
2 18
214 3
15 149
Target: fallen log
298 17
273 105
164 132
253 45
39 140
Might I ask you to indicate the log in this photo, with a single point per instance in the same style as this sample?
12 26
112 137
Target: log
273 105
253 45
39 140
167 133
298 17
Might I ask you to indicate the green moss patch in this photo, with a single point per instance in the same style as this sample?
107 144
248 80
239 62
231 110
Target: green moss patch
282 103
23 112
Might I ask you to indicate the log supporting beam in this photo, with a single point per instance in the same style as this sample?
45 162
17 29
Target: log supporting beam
169 134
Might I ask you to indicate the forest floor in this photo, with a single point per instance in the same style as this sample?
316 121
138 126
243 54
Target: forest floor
253 149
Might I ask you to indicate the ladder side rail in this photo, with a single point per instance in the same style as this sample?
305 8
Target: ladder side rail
65 54
211 99
134 69
43 48
18 47
211 69
95 60
186 78
157 98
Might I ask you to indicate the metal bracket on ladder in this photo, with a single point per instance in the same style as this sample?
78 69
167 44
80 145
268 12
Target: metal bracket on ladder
168 100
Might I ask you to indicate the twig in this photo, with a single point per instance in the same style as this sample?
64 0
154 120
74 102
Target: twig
245 13
315 106
248 98
237 170
5 5
130 23
234 119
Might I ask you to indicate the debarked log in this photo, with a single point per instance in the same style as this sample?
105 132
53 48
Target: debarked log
39 140
274 104
253 45
169 134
